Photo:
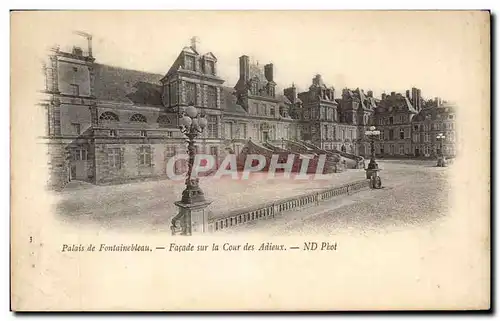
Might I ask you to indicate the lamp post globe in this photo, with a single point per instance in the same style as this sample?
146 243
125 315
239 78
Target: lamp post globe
441 158
191 111
372 170
202 122
195 123
185 121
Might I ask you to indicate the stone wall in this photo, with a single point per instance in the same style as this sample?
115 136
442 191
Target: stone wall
58 165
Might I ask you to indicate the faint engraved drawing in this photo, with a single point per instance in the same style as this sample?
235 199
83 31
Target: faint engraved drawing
108 125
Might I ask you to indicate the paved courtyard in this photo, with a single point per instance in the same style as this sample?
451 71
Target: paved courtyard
150 205
414 191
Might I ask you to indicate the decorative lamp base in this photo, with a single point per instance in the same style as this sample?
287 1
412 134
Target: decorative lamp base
192 218
441 161
192 193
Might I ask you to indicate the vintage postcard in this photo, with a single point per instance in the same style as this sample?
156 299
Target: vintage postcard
250 160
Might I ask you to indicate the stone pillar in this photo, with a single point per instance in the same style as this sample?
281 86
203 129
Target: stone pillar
199 95
192 218
182 92
204 100
56 117
218 97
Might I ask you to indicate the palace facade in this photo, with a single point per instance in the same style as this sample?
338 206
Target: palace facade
109 125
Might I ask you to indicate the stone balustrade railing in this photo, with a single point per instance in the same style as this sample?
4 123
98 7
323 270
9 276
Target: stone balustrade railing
271 209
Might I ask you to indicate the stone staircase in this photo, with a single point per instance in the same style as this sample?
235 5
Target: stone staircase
301 152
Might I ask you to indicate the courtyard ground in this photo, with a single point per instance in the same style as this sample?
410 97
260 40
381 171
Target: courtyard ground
150 205
414 193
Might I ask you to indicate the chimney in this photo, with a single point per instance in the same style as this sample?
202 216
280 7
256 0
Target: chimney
89 41
291 93
194 42
268 72
384 96
244 68
393 93
369 93
408 94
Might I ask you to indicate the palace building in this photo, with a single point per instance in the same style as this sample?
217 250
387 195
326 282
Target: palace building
108 125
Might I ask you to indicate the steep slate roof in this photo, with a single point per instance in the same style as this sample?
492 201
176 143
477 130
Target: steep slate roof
138 87
125 85
445 109
228 101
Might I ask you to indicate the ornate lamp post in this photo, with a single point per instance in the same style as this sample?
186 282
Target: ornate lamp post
372 170
192 216
372 133
441 158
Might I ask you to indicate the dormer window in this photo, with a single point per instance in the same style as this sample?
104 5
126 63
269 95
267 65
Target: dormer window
209 67
190 63
270 91
254 88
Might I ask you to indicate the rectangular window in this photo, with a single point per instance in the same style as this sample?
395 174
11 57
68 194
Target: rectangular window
173 93
228 130
212 126
190 63
209 67
114 158
255 109
190 93
314 113
325 131
272 111
170 134
170 151
416 138
113 133
144 133
391 120
76 128
78 154
244 131
401 133
213 151
145 156
426 137
212 97
401 149
75 90
391 134
262 110
415 127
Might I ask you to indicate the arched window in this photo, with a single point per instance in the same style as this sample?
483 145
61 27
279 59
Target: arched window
109 116
163 120
138 118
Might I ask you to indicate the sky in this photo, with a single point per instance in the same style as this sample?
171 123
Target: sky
380 51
